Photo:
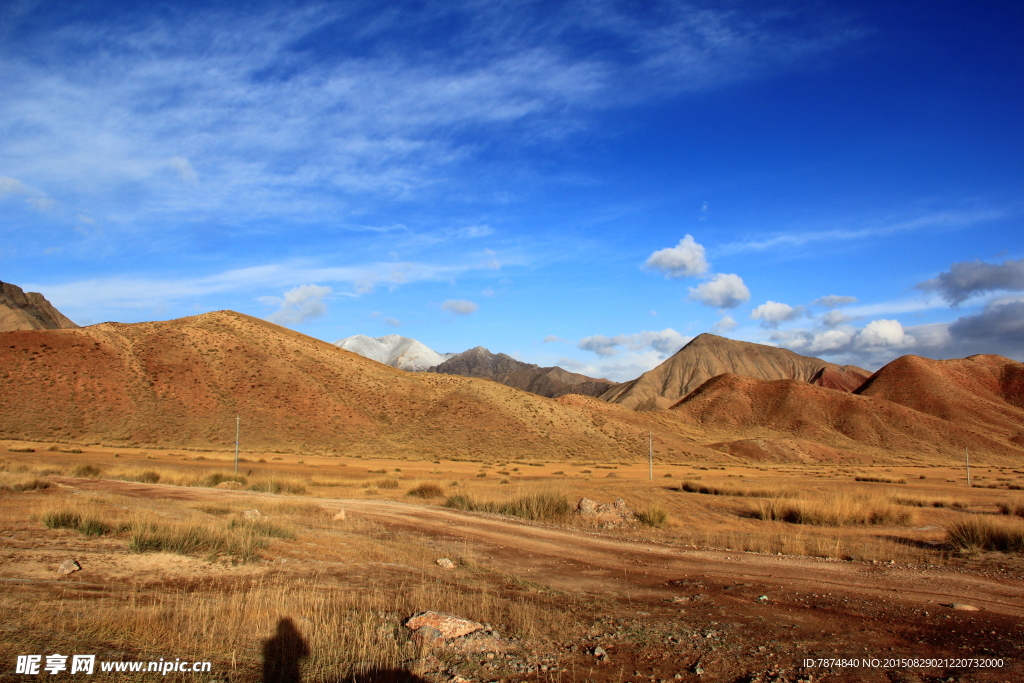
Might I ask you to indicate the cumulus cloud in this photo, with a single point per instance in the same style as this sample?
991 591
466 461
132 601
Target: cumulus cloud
686 259
721 291
968 278
878 335
298 305
771 313
665 343
724 325
833 301
459 306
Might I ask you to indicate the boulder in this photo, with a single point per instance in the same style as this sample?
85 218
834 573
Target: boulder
69 567
445 563
606 514
448 625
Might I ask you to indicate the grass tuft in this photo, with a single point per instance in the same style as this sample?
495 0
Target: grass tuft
544 506
833 510
427 490
981 533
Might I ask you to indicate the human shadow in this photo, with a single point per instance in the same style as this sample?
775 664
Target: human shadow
283 654
284 651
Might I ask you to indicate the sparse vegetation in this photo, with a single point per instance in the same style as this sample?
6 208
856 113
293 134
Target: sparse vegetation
880 480
832 510
1014 507
691 486
983 533
542 506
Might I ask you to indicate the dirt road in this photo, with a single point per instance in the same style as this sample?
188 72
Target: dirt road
733 616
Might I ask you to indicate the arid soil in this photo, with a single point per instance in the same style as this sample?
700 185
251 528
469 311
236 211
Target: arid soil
661 612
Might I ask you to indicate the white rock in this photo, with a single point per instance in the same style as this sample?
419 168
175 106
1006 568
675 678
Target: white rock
69 567
445 563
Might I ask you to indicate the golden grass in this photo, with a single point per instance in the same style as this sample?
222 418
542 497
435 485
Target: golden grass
18 482
428 489
546 506
928 502
1013 507
835 509
985 533
691 486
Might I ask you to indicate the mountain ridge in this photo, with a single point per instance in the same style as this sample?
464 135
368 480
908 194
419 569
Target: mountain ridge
21 310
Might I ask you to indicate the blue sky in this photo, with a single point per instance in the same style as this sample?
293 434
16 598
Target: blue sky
589 184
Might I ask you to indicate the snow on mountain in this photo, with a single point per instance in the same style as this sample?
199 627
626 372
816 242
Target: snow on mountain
394 350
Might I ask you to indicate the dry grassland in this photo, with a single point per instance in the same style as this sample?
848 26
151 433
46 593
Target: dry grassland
350 583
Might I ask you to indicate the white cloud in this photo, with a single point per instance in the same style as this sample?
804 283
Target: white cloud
686 259
771 313
833 301
392 322
665 342
37 200
883 333
459 306
721 291
942 219
299 305
724 325
552 338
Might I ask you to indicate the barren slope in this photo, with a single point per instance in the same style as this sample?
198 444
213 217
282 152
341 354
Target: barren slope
708 356
798 410
182 382
983 392
20 310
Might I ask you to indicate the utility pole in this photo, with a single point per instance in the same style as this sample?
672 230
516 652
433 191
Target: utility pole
238 423
650 454
967 459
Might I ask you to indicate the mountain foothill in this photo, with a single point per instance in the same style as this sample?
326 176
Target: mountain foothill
180 383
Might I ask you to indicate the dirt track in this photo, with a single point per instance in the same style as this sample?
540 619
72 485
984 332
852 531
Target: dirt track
813 608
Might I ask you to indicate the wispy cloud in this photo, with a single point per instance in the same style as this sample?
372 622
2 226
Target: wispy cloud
943 219
197 110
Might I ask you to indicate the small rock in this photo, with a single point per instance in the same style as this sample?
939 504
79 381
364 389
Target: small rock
339 516
253 514
445 563
600 653
449 625
231 485
762 598
69 567
963 606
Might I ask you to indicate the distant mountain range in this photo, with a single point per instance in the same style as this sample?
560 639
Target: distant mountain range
20 310
550 382
181 382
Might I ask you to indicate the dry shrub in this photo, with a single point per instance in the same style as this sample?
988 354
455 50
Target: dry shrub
66 518
545 506
387 483
17 483
691 486
427 490
90 471
984 533
880 480
653 515
279 485
928 502
1013 507
833 510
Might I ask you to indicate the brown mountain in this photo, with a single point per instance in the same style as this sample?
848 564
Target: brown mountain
846 378
708 356
550 382
20 310
181 383
983 392
769 411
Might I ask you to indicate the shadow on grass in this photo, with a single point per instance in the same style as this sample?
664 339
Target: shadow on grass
283 654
